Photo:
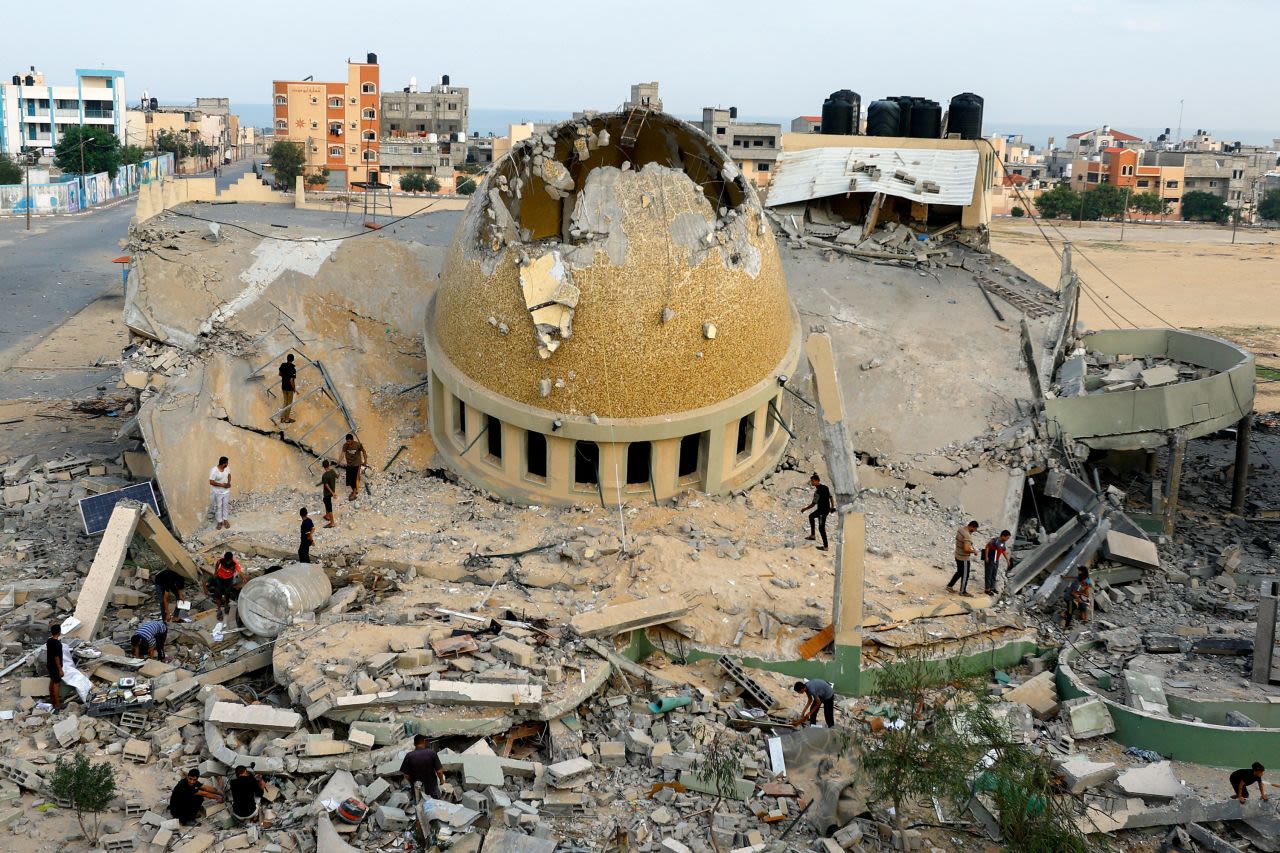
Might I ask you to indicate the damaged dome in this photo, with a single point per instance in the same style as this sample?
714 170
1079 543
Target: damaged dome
616 266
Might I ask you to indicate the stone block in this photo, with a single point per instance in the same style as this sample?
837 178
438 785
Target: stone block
67 730
318 748
262 718
1121 640
138 751
362 739
565 773
391 819
613 753
375 789
1039 693
1081 774
199 844
1088 717
520 654
1153 782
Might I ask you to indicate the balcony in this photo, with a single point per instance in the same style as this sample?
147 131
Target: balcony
93 113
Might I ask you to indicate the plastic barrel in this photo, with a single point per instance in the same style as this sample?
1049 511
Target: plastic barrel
268 603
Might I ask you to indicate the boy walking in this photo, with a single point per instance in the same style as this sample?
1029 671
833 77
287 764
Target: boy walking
993 552
821 506
329 489
353 459
307 531
964 552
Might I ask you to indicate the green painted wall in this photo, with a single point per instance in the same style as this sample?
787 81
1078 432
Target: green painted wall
1216 746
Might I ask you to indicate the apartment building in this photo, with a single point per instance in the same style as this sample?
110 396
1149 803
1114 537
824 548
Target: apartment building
1127 169
208 121
34 113
337 123
440 110
1234 177
754 146
1089 142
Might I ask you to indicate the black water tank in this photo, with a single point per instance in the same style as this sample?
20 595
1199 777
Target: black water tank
30 81
17 80
926 119
965 116
733 112
444 79
372 59
905 103
883 118
837 117
155 104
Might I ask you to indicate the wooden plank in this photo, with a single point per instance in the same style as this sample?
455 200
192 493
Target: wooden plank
619 618
819 641
95 592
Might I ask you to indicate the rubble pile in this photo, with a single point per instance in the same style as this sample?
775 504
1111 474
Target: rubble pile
1089 371
890 241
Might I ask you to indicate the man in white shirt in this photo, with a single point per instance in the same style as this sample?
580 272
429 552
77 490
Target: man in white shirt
220 488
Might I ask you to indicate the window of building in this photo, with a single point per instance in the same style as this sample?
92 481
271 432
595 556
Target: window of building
453 105
762 167
354 149
1093 177
690 456
369 135
417 149
586 463
757 143
368 88
353 100
460 419
335 128
281 124
1171 200
444 161
1235 195
719 131
770 422
493 436
354 125
1213 183
1237 174
281 100
417 108
315 125
1171 184
746 429
335 151
535 455
335 103
315 99
368 114
1143 183
422 128
370 155
639 455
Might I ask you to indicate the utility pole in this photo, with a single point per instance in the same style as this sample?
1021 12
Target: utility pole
27 159
1124 213
1180 103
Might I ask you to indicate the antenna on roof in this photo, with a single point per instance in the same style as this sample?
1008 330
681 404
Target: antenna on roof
1179 139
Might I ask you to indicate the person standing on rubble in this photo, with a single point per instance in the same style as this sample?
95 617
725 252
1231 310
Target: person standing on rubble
821 694
53 658
329 490
186 802
821 506
220 487
353 459
1076 597
169 586
148 638
288 388
223 582
307 531
1242 779
964 553
422 766
993 552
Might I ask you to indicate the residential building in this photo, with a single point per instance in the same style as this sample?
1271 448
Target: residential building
435 156
34 113
644 95
1233 177
1127 169
806 124
208 120
442 109
754 146
337 123
1019 176
1088 142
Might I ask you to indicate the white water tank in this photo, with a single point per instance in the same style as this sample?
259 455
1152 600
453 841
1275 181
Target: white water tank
431 137
268 603
413 84
459 137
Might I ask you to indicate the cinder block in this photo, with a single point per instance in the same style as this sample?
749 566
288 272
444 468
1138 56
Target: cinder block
361 739
138 751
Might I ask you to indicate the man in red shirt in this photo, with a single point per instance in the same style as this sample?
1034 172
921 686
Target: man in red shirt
993 552
226 573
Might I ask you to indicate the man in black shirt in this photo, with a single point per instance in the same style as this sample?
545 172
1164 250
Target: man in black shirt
288 387
821 506
53 657
246 788
423 765
185 801
169 586
306 531
1242 779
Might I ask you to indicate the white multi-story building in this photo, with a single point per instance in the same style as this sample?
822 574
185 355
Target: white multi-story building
34 114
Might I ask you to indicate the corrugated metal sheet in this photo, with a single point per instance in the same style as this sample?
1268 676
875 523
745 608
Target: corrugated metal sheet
820 172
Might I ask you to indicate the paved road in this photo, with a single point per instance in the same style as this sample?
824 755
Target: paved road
51 273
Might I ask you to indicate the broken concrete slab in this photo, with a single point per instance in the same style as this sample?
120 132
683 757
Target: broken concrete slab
1145 692
1088 717
620 618
1152 782
1082 774
1122 640
1039 693
95 592
254 717
1131 550
498 840
484 695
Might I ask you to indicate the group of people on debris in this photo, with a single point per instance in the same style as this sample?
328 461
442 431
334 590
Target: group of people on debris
187 801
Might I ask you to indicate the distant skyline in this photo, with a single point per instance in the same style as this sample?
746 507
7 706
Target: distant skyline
1126 63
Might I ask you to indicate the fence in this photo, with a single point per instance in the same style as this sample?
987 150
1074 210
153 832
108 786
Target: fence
82 192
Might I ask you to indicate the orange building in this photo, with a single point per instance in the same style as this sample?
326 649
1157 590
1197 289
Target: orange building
336 123
1116 166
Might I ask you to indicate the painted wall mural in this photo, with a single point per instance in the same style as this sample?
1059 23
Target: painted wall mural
74 194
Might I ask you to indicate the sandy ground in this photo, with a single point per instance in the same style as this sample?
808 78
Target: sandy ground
1191 277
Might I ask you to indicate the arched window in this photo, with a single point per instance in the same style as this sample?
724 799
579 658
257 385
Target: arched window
315 99
281 100
281 124
335 151
335 103
370 155
370 135
368 88
368 114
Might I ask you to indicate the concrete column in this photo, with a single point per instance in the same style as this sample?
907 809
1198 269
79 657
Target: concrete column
512 451
1173 479
851 534
1240 481
613 472
719 455
665 455
559 465
1265 640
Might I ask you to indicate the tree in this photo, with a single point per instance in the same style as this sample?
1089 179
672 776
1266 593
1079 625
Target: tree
1035 814
1103 201
1200 206
287 159
167 140
1017 212
1148 203
719 763
466 186
87 151
414 182
131 154
432 185
318 178
1268 208
89 788
10 171
1058 202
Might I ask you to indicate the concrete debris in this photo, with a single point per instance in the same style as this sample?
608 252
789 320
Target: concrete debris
1152 782
1081 774
1088 717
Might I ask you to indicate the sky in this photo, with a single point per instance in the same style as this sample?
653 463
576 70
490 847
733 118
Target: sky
1124 63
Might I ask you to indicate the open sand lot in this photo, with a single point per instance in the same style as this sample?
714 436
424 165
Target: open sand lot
1191 276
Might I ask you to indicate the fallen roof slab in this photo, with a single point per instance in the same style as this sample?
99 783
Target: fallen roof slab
620 618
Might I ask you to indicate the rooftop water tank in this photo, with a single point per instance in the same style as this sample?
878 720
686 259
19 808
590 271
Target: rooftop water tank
840 113
268 603
965 116
372 59
883 118
444 79
926 119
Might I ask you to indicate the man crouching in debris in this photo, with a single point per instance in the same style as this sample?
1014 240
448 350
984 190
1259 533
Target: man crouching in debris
223 583
246 789
149 638
185 801
1076 598
1242 779
821 694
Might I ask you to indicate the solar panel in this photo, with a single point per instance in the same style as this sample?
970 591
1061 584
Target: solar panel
95 511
